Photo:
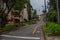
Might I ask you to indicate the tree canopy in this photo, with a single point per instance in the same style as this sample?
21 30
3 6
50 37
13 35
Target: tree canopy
11 4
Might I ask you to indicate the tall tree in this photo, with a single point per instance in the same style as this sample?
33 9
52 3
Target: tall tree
10 4
29 10
53 4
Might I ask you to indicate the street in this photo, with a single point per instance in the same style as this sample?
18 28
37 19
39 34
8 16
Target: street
30 32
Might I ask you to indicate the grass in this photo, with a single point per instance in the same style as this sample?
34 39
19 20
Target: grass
9 27
52 29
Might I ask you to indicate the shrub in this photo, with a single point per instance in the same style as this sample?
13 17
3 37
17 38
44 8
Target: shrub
52 29
52 15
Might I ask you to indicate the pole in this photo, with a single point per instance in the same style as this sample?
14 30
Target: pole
57 10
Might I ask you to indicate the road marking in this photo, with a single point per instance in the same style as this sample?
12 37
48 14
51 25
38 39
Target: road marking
20 37
38 31
34 31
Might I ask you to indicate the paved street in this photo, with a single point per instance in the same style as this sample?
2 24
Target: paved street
31 32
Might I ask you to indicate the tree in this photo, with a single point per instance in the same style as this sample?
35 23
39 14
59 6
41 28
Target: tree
52 15
53 4
11 4
35 16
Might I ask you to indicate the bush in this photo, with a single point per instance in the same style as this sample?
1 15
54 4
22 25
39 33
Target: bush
52 15
52 29
9 27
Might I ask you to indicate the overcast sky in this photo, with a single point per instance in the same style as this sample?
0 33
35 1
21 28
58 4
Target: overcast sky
37 4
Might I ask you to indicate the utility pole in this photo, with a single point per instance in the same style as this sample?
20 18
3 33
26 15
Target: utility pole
57 7
45 11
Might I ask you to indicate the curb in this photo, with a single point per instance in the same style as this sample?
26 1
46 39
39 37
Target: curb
42 34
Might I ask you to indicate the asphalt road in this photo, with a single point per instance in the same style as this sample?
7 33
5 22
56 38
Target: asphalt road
31 32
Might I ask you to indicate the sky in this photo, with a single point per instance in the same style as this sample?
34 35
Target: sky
38 5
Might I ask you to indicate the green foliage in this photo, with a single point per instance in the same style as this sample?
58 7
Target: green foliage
29 8
52 15
19 4
9 27
35 15
52 29
23 23
53 3
11 4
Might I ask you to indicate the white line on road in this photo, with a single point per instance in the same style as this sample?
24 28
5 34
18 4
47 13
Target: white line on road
20 37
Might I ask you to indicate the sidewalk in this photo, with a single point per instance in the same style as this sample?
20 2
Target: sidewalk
53 37
42 34
44 37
